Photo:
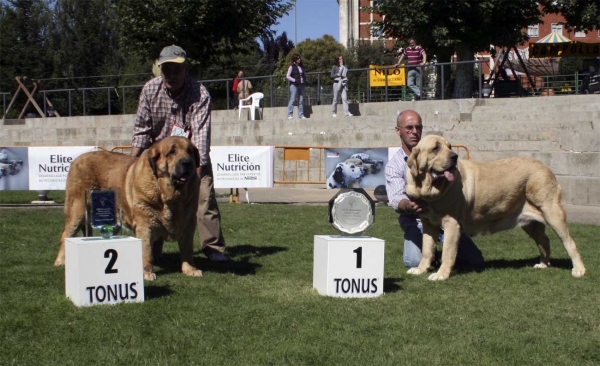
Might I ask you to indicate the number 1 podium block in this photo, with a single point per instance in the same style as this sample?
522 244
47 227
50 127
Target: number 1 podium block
346 266
104 271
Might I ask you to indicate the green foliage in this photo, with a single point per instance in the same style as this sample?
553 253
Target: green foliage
580 14
467 26
261 308
372 54
570 65
206 29
317 56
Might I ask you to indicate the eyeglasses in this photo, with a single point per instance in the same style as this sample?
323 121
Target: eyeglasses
411 128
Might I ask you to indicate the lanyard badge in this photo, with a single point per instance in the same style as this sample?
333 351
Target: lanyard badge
178 130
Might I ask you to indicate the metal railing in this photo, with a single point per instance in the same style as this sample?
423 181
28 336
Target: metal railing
318 90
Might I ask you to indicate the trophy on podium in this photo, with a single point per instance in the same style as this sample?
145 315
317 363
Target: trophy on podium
102 215
349 264
351 211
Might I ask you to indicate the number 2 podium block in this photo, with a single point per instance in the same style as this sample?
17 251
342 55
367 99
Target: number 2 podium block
346 266
104 271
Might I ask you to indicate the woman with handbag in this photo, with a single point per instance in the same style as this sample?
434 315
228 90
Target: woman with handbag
340 84
297 79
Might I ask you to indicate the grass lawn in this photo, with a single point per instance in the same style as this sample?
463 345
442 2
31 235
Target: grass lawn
260 309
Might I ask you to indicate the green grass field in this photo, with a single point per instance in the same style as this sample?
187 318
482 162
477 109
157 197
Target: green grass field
260 309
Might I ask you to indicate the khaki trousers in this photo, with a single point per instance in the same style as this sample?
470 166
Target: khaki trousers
208 215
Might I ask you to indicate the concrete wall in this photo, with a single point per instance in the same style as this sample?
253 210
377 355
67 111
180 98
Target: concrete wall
561 131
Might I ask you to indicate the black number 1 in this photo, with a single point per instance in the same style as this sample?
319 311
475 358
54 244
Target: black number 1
113 259
358 252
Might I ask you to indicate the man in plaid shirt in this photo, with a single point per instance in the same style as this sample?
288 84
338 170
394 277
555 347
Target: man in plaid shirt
174 104
409 128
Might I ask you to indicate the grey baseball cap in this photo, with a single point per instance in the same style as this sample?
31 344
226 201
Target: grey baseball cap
172 54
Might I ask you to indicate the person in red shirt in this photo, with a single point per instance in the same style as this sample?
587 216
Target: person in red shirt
416 57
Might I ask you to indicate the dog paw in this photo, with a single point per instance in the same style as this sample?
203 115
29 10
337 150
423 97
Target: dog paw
577 273
437 277
59 262
194 273
415 271
542 265
149 276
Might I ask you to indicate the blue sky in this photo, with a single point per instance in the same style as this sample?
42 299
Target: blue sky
314 19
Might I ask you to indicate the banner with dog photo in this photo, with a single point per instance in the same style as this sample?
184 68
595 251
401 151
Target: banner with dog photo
14 166
355 167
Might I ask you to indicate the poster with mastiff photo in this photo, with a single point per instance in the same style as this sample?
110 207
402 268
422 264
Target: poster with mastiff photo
355 167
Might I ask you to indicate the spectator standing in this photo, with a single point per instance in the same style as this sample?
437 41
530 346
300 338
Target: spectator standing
340 85
416 57
175 104
243 90
234 87
409 128
297 79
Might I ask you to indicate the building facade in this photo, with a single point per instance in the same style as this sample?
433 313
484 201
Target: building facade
354 26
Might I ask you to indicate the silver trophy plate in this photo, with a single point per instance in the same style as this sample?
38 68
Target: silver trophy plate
351 212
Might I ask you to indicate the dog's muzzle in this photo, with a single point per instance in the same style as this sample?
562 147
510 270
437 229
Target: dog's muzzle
184 171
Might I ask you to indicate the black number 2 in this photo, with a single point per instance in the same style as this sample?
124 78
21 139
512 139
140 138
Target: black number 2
113 259
358 252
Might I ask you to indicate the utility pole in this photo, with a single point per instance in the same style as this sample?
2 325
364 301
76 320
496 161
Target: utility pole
295 28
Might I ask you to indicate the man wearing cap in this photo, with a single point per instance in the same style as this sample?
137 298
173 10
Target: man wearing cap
173 104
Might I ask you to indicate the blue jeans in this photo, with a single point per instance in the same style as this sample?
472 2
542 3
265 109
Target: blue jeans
468 253
413 80
296 90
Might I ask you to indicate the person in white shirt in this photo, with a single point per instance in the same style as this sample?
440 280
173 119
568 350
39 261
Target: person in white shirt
409 128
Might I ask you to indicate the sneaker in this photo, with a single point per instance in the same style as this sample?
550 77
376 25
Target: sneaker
333 115
302 117
290 117
217 257
349 115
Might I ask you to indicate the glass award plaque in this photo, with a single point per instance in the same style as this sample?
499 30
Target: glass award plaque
351 211
103 212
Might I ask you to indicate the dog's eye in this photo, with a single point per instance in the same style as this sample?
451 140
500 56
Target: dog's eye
352 167
437 147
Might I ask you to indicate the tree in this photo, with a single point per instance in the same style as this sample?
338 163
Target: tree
206 29
24 28
461 26
580 14
274 47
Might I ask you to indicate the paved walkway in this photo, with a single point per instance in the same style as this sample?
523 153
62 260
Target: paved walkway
578 214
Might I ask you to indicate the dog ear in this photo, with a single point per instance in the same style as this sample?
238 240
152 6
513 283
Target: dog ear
153 155
412 161
196 154
338 175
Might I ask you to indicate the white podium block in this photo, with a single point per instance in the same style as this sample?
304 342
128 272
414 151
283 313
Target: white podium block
104 271
346 266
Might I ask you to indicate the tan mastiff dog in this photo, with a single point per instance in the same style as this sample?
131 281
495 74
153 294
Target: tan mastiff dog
484 198
157 193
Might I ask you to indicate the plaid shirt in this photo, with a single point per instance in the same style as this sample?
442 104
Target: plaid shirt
158 112
395 186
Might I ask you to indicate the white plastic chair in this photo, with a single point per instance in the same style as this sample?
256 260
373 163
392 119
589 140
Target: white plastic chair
256 97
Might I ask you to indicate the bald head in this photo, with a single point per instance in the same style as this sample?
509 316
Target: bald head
409 127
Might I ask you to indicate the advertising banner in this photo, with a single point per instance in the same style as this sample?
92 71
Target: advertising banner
355 168
49 166
243 166
14 169
573 49
395 77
